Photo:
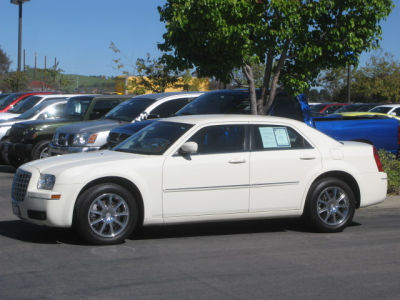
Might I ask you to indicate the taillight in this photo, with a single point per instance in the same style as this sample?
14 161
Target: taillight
378 160
398 136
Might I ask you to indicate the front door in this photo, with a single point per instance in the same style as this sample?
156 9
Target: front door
215 180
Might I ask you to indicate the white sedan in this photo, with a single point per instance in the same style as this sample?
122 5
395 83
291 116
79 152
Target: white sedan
202 168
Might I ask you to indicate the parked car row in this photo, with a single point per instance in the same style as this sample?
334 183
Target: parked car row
184 157
333 108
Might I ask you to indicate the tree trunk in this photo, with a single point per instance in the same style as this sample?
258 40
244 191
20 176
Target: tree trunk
265 88
248 71
275 79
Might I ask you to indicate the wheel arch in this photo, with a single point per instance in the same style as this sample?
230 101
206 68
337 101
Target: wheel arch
129 185
346 177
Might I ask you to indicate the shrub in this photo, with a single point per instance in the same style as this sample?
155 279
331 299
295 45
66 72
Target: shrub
392 168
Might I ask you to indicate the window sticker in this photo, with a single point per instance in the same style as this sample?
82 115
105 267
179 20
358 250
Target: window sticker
268 137
274 137
282 137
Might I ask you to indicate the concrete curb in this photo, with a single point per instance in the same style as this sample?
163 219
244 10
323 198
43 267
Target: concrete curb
391 201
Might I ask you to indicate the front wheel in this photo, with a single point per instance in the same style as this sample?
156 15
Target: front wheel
330 206
40 150
106 214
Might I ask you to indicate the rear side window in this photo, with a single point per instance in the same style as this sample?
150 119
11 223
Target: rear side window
220 139
268 137
102 107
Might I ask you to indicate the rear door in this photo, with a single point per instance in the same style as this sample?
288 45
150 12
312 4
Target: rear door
281 164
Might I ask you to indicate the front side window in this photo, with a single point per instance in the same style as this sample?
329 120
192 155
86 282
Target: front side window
220 139
154 139
274 137
397 111
6 101
55 111
77 107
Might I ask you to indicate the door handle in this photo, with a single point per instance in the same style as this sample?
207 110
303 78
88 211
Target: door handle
307 157
237 161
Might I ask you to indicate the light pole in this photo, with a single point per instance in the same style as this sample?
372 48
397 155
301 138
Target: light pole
19 3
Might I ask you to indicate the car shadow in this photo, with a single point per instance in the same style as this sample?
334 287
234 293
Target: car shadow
7 169
31 233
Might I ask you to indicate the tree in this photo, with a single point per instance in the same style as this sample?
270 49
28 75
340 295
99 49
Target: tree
4 62
378 81
15 81
293 39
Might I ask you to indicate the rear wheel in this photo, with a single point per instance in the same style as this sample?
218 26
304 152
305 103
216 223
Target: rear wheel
106 214
331 205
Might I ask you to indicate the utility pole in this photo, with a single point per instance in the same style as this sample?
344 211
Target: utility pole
34 70
24 60
45 62
348 82
19 3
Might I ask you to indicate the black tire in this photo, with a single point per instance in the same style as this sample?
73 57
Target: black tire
330 205
39 149
16 159
96 222
4 155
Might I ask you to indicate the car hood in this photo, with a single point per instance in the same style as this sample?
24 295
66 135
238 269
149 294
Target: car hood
6 116
90 126
87 160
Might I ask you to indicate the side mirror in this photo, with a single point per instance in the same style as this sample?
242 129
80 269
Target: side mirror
41 117
189 148
393 114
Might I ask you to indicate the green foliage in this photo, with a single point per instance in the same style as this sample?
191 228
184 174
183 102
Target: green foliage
378 81
153 74
15 81
392 168
293 39
4 62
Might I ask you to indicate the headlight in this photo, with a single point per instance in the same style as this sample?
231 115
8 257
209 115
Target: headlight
46 182
81 139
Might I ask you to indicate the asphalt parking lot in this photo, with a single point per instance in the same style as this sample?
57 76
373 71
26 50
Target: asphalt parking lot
270 259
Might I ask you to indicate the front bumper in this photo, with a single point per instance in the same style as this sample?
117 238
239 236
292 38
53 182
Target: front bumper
7 147
42 207
61 150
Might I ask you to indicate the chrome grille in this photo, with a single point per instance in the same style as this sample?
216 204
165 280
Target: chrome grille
20 185
63 139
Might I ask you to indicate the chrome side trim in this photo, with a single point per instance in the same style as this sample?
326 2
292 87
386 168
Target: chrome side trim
228 187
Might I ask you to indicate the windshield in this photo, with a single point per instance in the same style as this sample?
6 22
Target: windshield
4 102
381 109
218 103
77 107
25 104
30 113
154 139
317 107
129 110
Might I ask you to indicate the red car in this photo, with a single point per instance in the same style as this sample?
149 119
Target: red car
326 108
8 102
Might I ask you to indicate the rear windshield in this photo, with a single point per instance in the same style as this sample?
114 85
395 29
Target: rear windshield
218 103
381 109
25 104
4 102
130 109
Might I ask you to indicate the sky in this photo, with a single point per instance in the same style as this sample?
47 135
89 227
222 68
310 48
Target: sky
79 33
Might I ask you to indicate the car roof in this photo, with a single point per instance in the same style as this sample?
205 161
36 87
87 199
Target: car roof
159 96
203 119
388 105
